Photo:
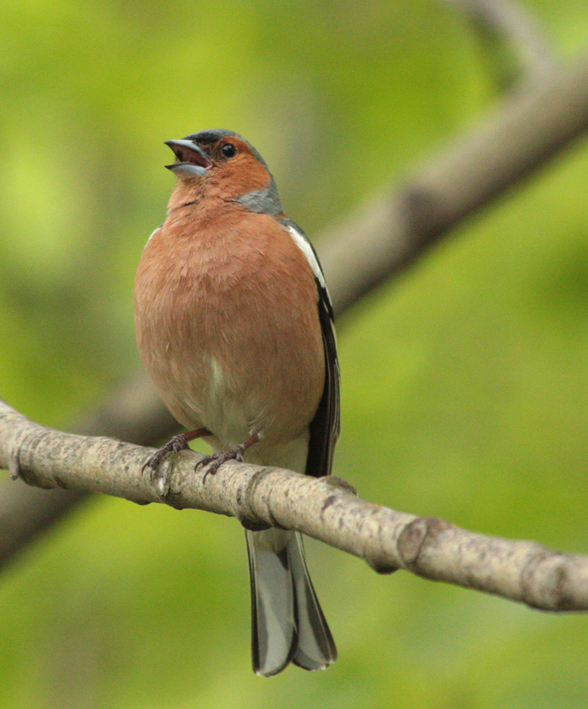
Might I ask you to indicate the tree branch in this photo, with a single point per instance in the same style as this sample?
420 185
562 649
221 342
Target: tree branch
325 508
133 413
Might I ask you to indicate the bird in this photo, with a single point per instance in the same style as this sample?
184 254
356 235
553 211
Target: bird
235 326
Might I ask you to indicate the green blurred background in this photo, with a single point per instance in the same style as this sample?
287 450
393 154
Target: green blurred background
465 381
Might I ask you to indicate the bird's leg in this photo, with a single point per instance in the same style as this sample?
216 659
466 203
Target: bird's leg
215 460
177 443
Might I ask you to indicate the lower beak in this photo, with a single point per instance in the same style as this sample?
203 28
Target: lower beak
190 158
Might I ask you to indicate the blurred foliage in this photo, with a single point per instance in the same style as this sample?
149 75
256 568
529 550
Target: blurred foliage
464 382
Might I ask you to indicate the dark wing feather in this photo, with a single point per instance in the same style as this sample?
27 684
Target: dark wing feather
326 424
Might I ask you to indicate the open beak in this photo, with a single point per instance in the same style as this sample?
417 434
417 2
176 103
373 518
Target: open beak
190 158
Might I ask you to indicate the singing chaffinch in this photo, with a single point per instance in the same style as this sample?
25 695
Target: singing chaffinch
235 326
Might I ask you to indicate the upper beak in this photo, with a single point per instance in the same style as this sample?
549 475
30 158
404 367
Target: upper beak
190 158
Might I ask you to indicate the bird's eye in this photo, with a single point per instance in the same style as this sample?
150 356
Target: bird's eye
229 150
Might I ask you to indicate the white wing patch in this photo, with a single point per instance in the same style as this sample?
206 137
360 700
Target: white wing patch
303 244
153 234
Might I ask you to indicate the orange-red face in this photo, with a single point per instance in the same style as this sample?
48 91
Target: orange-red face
224 168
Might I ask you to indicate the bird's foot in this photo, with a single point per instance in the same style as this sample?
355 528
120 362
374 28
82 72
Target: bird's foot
177 443
213 462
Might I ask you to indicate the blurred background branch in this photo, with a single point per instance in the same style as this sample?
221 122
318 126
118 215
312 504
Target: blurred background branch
517 31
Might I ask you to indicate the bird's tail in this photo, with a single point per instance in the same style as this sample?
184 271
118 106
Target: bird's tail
288 624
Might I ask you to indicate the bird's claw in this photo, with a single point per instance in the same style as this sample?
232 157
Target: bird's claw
177 443
213 462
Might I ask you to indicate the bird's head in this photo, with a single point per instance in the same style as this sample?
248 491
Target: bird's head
220 165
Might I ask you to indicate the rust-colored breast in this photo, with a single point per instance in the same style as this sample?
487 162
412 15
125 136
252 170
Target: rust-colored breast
227 324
